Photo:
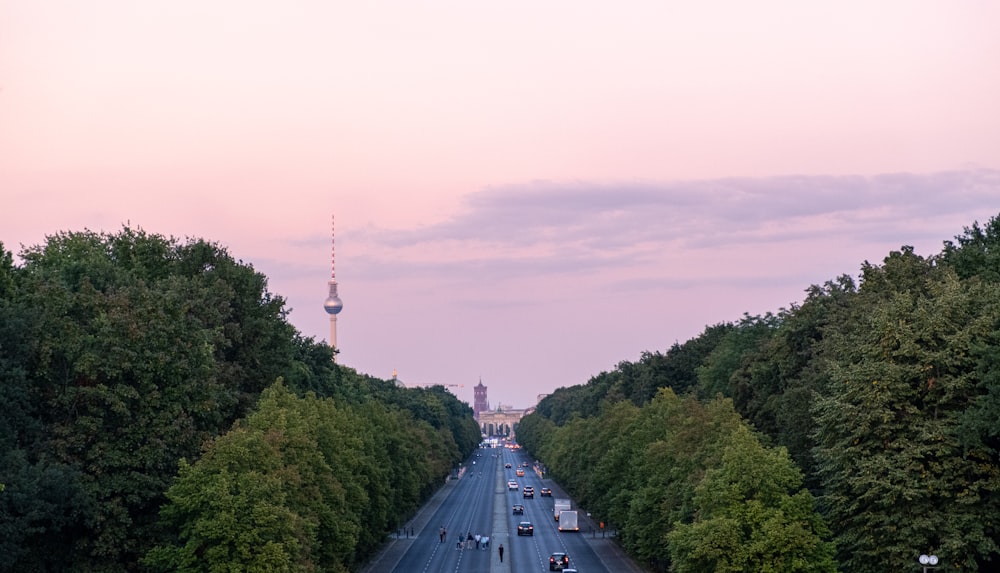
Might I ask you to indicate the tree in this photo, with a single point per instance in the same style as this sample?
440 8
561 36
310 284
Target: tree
6 273
616 449
898 477
715 374
778 382
233 513
138 350
976 252
122 353
42 509
303 483
750 515
681 438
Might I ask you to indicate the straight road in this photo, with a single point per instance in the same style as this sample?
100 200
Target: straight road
480 502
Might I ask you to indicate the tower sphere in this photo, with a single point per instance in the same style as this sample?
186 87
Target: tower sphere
333 305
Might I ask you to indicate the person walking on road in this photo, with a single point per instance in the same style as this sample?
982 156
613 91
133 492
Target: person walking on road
500 549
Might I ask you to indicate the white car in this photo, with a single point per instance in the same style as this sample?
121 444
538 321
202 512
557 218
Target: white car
512 484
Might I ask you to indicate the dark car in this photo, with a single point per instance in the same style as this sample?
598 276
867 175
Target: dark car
558 562
518 509
529 491
507 465
525 528
545 492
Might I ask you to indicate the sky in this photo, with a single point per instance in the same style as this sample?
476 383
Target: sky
525 193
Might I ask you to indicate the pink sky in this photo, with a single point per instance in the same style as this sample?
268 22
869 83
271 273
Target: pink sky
525 192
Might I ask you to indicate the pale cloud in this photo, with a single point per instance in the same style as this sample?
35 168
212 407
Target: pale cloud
545 283
545 228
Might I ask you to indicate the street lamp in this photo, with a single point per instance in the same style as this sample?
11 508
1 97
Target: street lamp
928 561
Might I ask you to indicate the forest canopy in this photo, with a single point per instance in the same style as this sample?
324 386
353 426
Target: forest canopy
857 429
149 387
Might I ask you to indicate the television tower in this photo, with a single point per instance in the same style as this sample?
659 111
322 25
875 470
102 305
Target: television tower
333 305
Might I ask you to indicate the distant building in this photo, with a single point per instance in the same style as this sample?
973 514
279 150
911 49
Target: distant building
500 422
480 404
396 380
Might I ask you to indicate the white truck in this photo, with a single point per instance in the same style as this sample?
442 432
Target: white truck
568 521
560 504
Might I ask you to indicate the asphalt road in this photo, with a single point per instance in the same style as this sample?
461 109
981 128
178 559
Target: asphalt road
480 502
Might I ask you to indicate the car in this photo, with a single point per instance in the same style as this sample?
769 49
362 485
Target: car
512 484
558 562
525 528
520 473
529 491
545 492
518 509
507 465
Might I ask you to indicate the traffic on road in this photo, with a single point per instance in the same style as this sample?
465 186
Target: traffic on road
493 505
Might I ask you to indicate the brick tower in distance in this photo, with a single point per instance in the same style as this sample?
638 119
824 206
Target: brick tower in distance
480 404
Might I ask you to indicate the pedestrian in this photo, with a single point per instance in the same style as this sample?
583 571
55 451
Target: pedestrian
441 534
479 538
459 544
486 542
500 549
468 541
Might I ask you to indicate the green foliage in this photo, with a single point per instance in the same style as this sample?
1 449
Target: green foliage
6 273
121 354
749 517
681 439
886 395
683 361
614 439
302 484
778 382
257 498
232 518
640 469
42 507
898 477
715 374
638 382
977 252
139 350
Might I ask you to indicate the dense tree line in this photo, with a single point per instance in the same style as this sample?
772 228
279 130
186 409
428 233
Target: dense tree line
687 484
866 418
158 411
